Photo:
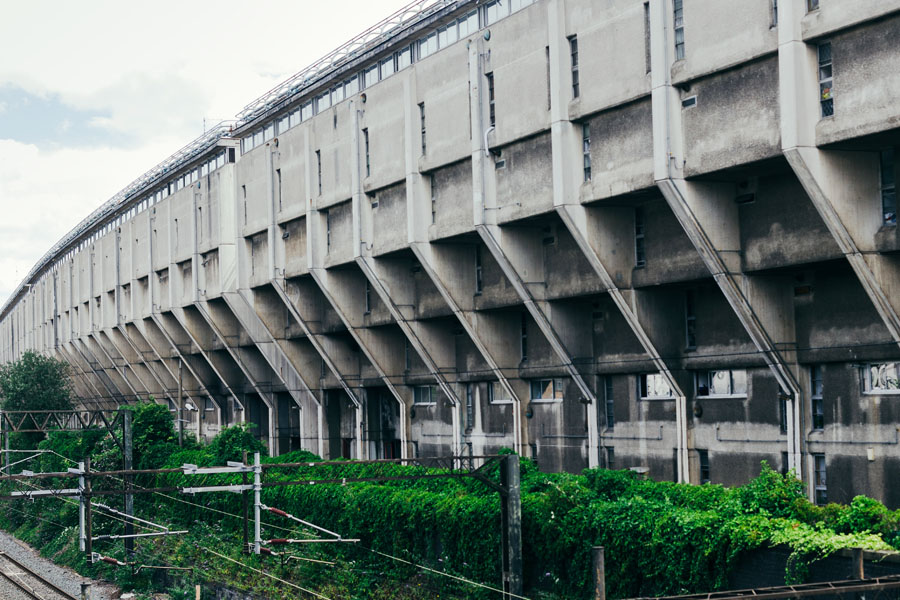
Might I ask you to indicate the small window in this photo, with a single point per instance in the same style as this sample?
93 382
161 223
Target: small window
881 378
370 76
470 406
722 383
610 403
689 102
586 150
523 336
422 124
817 400
365 133
425 394
387 67
647 57
492 113
826 93
479 281
703 460
573 55
351 86
888 188
610 457
783 407
368 298
690 320
812 5
820 481
319 170
678 17
433 199
546 390
498 394
653 386
327 230
404 58
640 257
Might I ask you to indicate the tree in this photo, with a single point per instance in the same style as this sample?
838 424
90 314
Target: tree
34 382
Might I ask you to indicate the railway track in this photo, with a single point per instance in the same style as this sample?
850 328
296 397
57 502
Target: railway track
28 582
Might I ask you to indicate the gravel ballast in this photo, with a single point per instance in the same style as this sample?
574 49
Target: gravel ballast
63 577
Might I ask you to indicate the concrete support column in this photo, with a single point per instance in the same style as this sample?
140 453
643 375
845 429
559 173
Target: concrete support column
708 215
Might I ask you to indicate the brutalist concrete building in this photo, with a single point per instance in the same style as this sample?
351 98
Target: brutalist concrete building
653 235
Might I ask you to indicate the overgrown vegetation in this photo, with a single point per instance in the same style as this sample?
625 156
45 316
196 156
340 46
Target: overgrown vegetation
34 382
660 538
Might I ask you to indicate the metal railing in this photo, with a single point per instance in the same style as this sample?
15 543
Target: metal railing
368 39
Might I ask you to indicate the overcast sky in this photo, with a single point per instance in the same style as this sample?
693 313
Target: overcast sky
93 94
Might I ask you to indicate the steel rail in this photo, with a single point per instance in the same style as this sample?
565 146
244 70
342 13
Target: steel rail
28 591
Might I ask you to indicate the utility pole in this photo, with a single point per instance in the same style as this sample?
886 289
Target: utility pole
81 517
245 511
88 543
511 525
599 568
257 501
180 406
129 482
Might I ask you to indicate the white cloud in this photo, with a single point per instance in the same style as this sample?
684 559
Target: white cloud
154 71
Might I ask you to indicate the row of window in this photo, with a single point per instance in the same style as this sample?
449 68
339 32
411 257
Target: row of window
441 37
875 378
164 191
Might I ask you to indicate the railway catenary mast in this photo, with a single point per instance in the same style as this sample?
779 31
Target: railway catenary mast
658 235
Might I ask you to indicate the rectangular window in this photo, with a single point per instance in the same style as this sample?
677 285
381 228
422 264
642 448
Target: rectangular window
428 45
468 24
703 460
820 482
368 297
812 5
433 200
610 403
447 35
546 390
690 321
422 124
784 463
479 283
407 357
278 187
679 29
653 386
327 229
888 188
306 111
497 394
647 58
610 458
387 67
816 397
586 149
774 13
365 133
881 378
573 54
319 170
492 114
523 336
723 383
783 406
351 86
470 406
323 101
337 94
640 257
370 76
404 58
826 95
425 394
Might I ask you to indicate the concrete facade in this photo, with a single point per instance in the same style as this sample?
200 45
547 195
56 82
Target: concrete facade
655 235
